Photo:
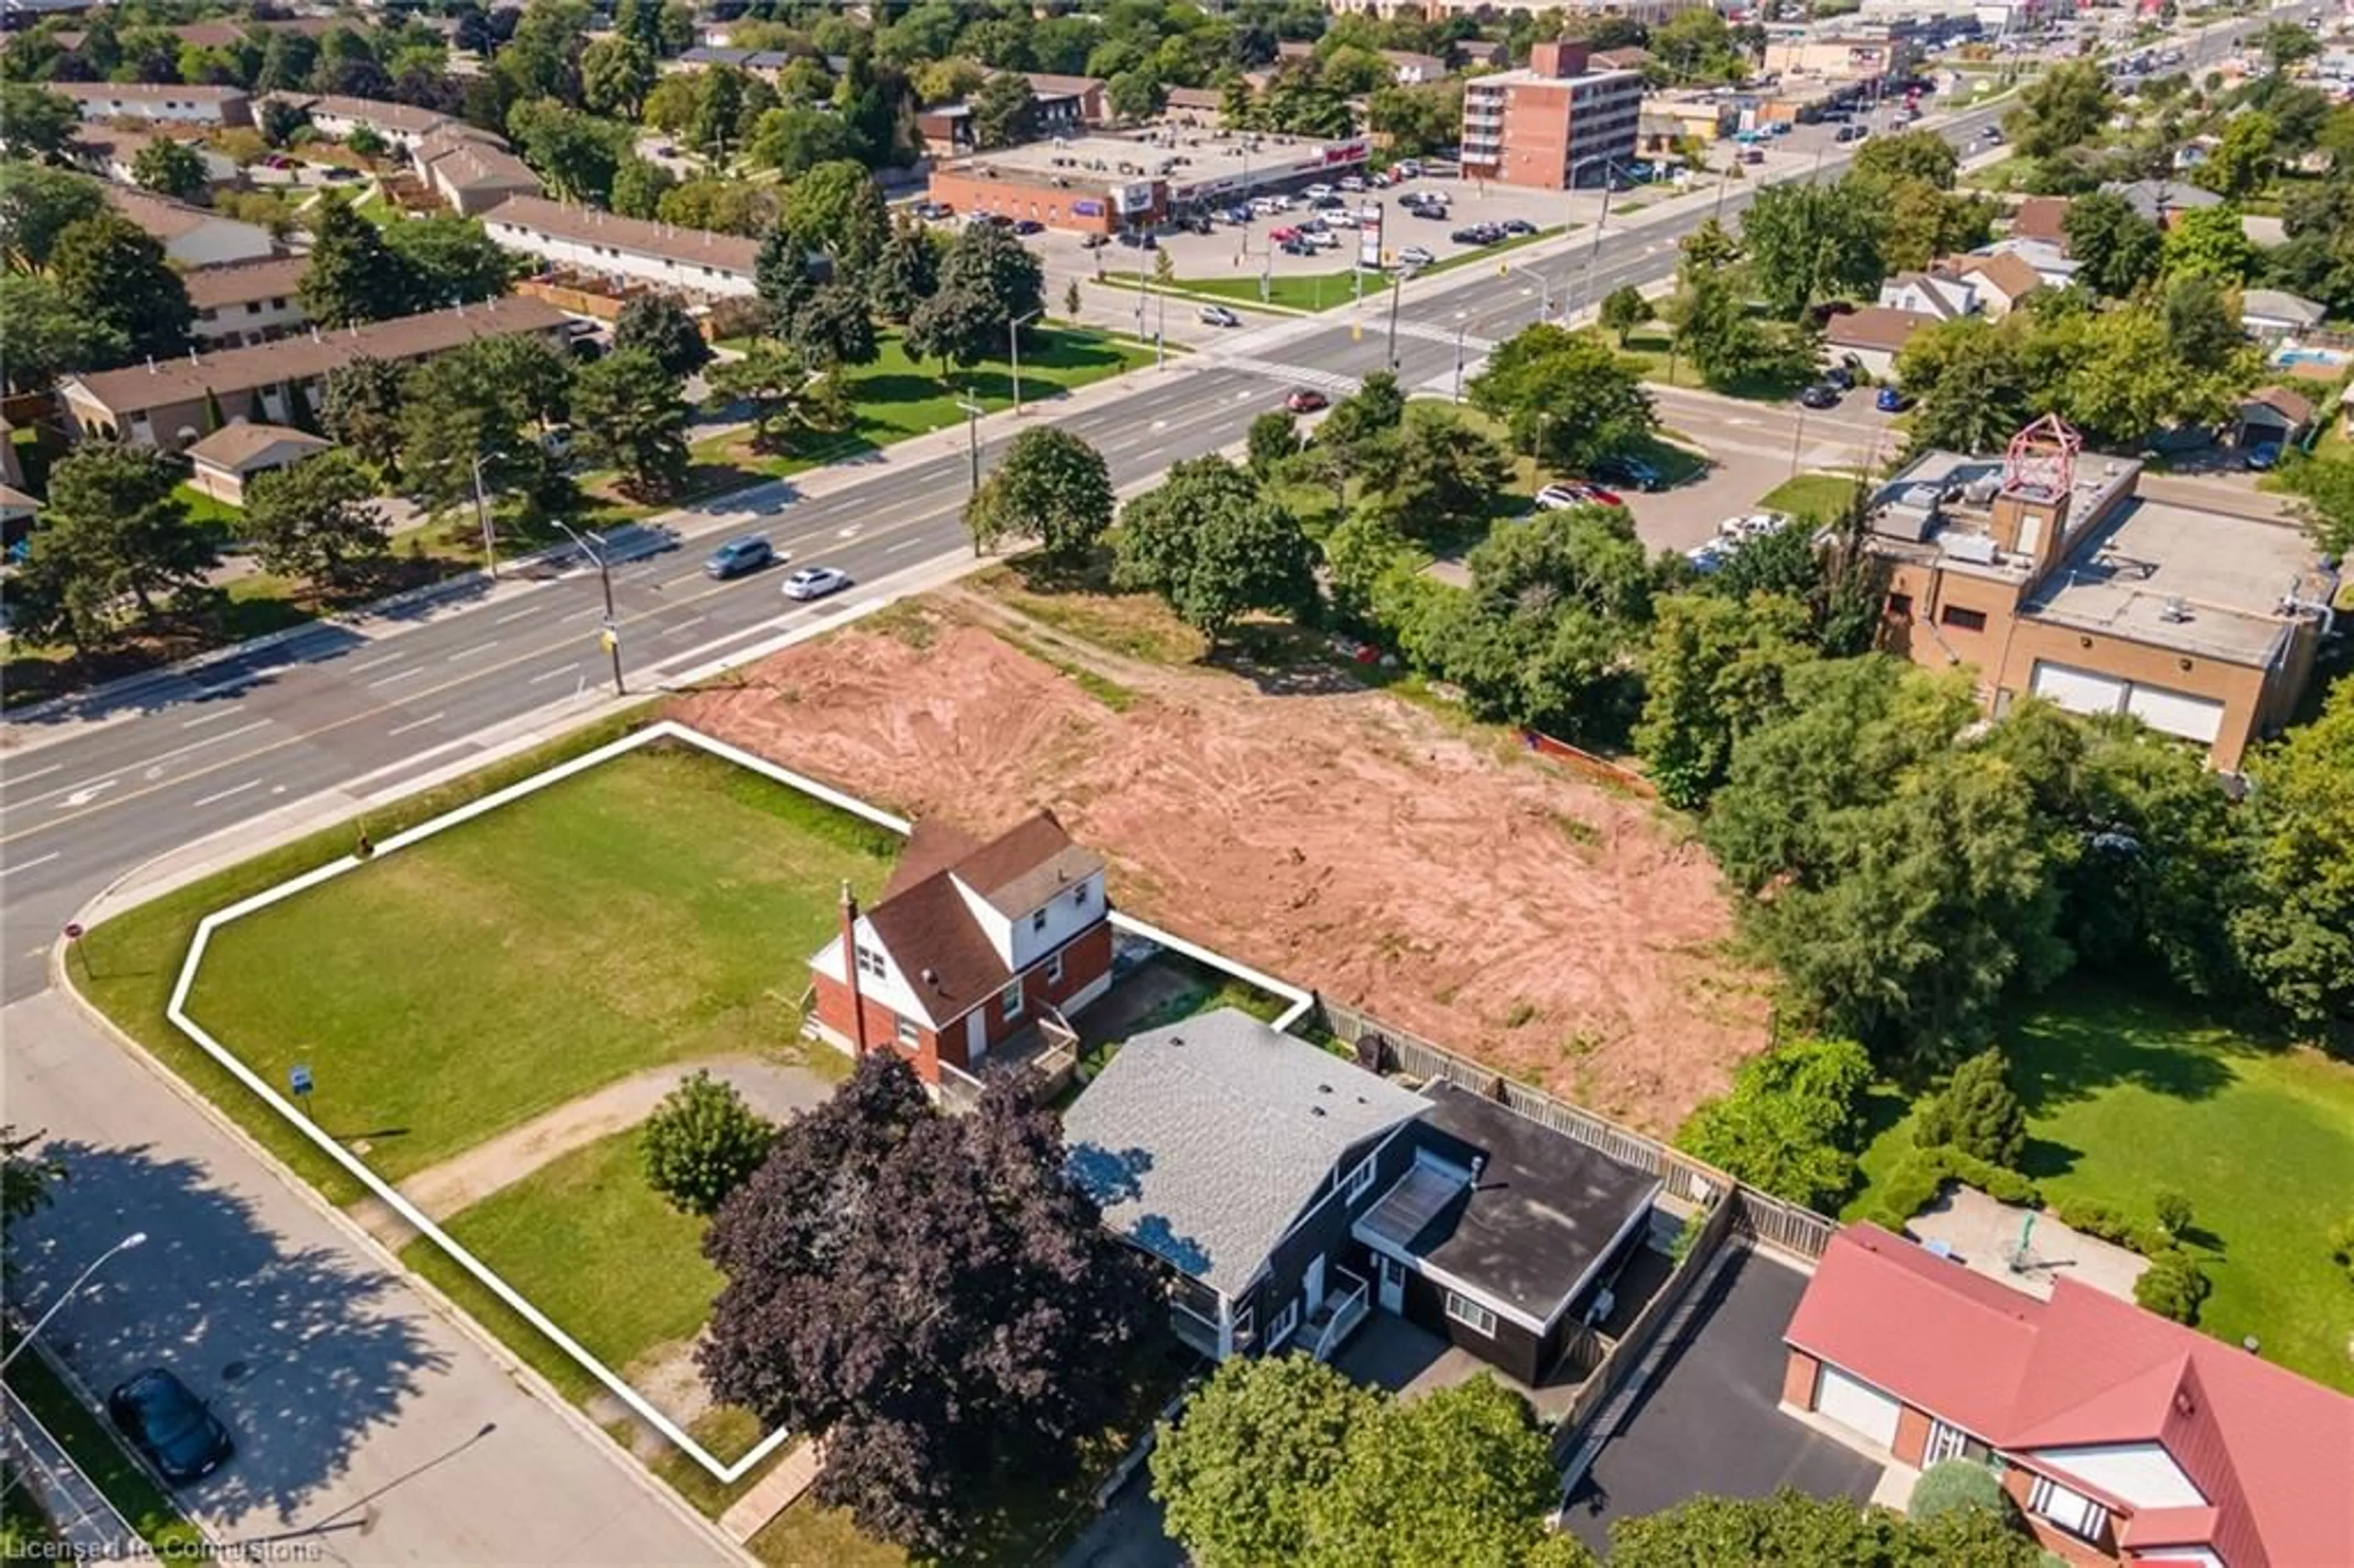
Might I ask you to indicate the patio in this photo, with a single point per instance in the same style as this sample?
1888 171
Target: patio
1392 1354
1982 1236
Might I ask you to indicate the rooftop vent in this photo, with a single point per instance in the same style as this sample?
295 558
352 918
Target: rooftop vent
2174 611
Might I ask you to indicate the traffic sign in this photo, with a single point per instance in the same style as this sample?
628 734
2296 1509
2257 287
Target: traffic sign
298 1078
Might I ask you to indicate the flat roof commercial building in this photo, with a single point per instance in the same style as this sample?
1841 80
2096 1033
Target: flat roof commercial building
1554 124
2047 572
1099 185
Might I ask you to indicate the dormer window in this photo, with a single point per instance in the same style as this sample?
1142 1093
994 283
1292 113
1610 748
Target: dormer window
1038 921
870 962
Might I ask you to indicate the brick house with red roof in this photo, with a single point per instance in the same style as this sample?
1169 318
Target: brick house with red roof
970 944
2126 1438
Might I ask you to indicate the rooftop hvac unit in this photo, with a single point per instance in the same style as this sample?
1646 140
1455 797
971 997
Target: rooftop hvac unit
2174 611
1982 492
1976 548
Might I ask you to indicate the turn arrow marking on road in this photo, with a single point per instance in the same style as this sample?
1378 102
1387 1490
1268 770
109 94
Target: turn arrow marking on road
87 793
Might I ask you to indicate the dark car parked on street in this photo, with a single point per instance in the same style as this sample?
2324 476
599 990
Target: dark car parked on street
168 1423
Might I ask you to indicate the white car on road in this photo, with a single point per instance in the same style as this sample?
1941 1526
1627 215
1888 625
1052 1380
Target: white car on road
815 582
1415 255
1219 317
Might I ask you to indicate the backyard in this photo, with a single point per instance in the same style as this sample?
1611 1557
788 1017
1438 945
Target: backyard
2128 1093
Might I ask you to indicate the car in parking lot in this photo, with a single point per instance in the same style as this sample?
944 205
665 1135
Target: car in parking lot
746 553
1326 203
1517 227
1283 233
1477 234
1408 168
1300 246
815 582
1236 214
165 1420
1891 400
1752 525
1029 226
1322 240
1819 395
1353 181
1838 375
1991 135
1634 472
1567 492
1319 193
1218 316
1415 255
1093 241
2262 456
1753 155
1305 401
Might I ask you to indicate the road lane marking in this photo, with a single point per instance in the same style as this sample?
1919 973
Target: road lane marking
414 724
477 648
516 614
225 794
551 675
214 717
380 659
403 675
156 762
84 794
685 626
908 544
29 864
7 777
581 614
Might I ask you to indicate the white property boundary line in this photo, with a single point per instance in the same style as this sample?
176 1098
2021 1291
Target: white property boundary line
176 1010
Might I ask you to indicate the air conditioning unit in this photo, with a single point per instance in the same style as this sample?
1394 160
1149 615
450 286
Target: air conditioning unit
2174 611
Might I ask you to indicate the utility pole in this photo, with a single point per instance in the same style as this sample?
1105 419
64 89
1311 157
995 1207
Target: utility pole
973 413
1459 361
611 635
1397 287
1161 338
1014 346
482 515
1593 252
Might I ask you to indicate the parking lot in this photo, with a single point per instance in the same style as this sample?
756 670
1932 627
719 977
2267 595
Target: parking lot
1708 1420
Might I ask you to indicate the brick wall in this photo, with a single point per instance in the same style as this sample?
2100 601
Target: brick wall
1799 1377
1912 1436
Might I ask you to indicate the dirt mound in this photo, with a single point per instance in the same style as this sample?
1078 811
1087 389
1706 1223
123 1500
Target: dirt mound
1345 840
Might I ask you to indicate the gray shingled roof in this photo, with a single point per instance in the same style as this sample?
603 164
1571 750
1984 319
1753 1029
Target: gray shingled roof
1205 1140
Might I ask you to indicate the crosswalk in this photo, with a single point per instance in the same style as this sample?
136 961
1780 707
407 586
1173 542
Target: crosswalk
1329 381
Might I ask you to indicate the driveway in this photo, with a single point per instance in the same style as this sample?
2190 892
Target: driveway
369 1429
1707 1421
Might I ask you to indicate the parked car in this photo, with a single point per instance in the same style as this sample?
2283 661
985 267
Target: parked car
1218 316
1306 400
1891 400
339 172
1821 394
815 582
1570 492
1093 242
1706 558
166 1422
1415 255
1517 227
1283 236
1752 156
1752 525
1378 180
1841 376
1029 226
1236 214
1633 472
746 553
1327 203
1138 240
1298 247
1991 135
934 211
2262 456
1353 181
1324 239
1408 168
1593 492
1320 193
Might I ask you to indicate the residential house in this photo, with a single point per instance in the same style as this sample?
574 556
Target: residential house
241 303
2276 312
2001 280
470 171
183 103
1410 70
162 404
1062 106
1194 105
111 152
693 261
191 236
2045 572
1502 1236
1946 296
970 945
2159 200
2052 267
339 116
2276 414
2043 218
2124 1438
766 64
222 464
1241 1158
1870 336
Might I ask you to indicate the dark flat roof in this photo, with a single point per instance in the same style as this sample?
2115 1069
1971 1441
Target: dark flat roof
1543 1211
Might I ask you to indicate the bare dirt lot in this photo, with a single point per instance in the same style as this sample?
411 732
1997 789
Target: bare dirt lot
1346 839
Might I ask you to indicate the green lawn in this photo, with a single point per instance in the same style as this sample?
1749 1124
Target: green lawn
656 908
135 1494
203 508
1652 347
1819 495
2128 1093
1323 290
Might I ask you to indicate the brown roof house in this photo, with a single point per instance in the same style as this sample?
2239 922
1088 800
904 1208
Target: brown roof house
2276 414
162 404
470 171
2001 280
242 302
969 948
694 262
187 103
1871 336
223 463
2041 218
192 236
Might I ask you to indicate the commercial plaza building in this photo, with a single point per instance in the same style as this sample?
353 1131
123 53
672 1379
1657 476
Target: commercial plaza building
1555 123
1100 184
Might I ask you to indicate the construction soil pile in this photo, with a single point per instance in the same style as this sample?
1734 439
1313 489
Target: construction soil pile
1425 872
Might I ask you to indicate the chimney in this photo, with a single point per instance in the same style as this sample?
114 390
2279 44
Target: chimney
1560 57
850 967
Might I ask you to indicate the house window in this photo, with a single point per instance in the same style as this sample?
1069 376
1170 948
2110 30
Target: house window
1285 1322
1079 895
254 307
1360 1179
1008 1001
1961 619
870 962
1900 607
1245 1321
2077 1514
907 1035
1055 969
1471 1315
1038 921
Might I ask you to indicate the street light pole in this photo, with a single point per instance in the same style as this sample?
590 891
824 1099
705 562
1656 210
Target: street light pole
1458 360
1014 344
973 413
605 581
482 515
1397 287
136 1238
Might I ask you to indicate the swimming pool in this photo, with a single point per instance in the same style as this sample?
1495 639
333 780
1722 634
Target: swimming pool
2309 356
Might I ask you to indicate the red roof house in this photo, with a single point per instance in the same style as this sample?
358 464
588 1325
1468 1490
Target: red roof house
2124 1437
969 946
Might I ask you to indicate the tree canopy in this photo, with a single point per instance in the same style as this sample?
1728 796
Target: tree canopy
1566 396
1051 486
1216 547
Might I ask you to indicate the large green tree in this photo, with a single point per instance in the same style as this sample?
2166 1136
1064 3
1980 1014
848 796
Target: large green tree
2213 243
1566 396
317 519
47 335
1807 243
114 530
1051 486
1216 547
630 415
784 393
2116 249
450 261
2294 924
659 325
1717 668
1971 381
114 272
364 405
992 263
353 275
837 208
1792 1123
35 122
2060 109
1791 1529
38 205
1237 1472
171 168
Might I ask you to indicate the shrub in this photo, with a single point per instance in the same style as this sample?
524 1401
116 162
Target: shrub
2104 1224
1791 1124
2341 1246
1957 1486
1978 1112
702 1142
2174 1211
1916 1182
2173 1286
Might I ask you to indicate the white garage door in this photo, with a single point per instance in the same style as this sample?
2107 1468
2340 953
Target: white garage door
2175 713
2078 691
1855 1404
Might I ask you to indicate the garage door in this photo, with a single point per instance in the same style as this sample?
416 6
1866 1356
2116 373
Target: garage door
2078 691
2175 713
1857 1405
